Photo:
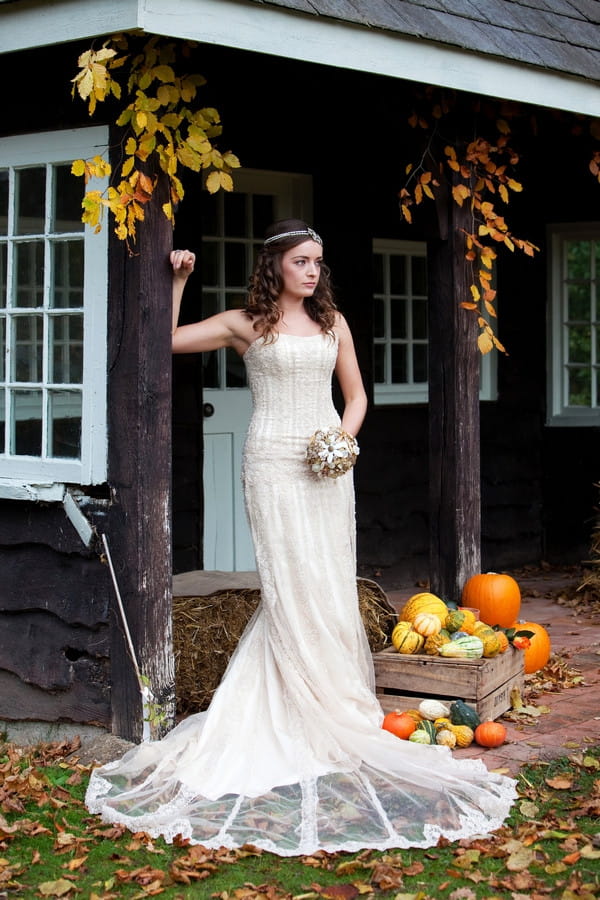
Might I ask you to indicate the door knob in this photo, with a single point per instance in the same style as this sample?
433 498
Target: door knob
208 410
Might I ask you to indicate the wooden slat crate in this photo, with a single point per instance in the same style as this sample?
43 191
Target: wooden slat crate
404 680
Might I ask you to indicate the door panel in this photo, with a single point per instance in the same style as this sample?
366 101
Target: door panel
232 232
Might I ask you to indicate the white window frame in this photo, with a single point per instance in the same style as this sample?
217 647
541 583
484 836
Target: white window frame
414 393
559 413
29 477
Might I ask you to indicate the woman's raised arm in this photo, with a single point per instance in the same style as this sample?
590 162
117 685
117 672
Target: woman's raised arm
210 334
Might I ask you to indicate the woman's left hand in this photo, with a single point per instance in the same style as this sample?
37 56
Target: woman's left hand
183 262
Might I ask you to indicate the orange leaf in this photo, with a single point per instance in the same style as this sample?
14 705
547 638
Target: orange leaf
466 305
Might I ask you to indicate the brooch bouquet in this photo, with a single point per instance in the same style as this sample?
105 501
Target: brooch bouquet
331 452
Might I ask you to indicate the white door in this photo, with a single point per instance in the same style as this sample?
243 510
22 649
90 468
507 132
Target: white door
233 227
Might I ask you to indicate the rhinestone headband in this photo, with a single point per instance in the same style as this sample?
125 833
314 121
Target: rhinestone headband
308 231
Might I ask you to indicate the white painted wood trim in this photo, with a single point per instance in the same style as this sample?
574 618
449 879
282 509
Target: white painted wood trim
281 32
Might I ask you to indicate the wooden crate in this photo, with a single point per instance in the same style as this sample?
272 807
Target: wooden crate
404 680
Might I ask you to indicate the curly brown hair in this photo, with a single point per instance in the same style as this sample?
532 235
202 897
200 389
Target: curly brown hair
266 283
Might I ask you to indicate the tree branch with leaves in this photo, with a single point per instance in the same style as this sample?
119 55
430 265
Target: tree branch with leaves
480 172
160 120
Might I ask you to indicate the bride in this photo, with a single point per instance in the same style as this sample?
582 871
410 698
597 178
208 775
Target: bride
291 756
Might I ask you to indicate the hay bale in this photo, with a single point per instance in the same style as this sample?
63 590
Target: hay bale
206 631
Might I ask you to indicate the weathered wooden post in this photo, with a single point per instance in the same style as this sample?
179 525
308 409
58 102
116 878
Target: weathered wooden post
139 520
454 436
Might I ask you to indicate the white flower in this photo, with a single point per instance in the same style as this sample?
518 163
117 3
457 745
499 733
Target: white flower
331 452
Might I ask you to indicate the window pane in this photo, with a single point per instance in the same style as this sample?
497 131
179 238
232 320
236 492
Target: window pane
580 344
397 274
65 424
67 203
578 259
210 304
210 263
3 201
3 264
399 364
2 420
398 318
67 349
263 213
31 200
67 287
420 363
28 348
30 274
378 286
379 318
27 407
210 205
210 369
379 364
235 264
578 308
419 313
235 300
580 387
419 275
235 214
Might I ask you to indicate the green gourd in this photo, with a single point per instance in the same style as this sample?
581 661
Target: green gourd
463 714
429 728
464 647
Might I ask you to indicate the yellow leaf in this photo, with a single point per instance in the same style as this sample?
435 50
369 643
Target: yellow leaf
406 213
226 181
213 183
428 192
167 209
490 308
509 243
163 73
418 194
475 293
141 119
409 167
78 167
130 146
231 160
55 888
498 345
503 192
485 343
514 185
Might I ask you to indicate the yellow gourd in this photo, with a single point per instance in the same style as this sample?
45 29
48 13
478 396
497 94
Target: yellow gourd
464 735
405 639
491 644
435 641
460 620
423 602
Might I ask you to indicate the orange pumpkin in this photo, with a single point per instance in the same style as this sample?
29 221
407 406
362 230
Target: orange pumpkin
496 596
399 723
539 650
490 734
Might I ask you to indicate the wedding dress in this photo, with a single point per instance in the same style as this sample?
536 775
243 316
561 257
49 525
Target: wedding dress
291 756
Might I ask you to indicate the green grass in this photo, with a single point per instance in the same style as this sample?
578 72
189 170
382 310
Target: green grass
549 848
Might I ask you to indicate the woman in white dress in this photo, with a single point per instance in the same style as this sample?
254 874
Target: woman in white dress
291 756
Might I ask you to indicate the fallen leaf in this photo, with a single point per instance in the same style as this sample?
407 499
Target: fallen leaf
560 783
58 888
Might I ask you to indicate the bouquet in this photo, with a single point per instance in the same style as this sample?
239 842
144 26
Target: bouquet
331 452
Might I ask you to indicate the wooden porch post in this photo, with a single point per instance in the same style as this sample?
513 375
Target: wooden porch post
454 436
139 521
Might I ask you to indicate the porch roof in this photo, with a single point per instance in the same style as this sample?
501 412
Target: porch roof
544 52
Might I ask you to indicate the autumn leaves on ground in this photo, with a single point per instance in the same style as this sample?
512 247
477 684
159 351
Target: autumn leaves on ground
51 847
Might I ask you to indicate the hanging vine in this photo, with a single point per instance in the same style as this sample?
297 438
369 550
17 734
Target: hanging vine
161 121
482 174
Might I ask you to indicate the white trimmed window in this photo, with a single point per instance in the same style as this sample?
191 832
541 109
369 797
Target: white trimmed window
400 340
574 338
53 289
